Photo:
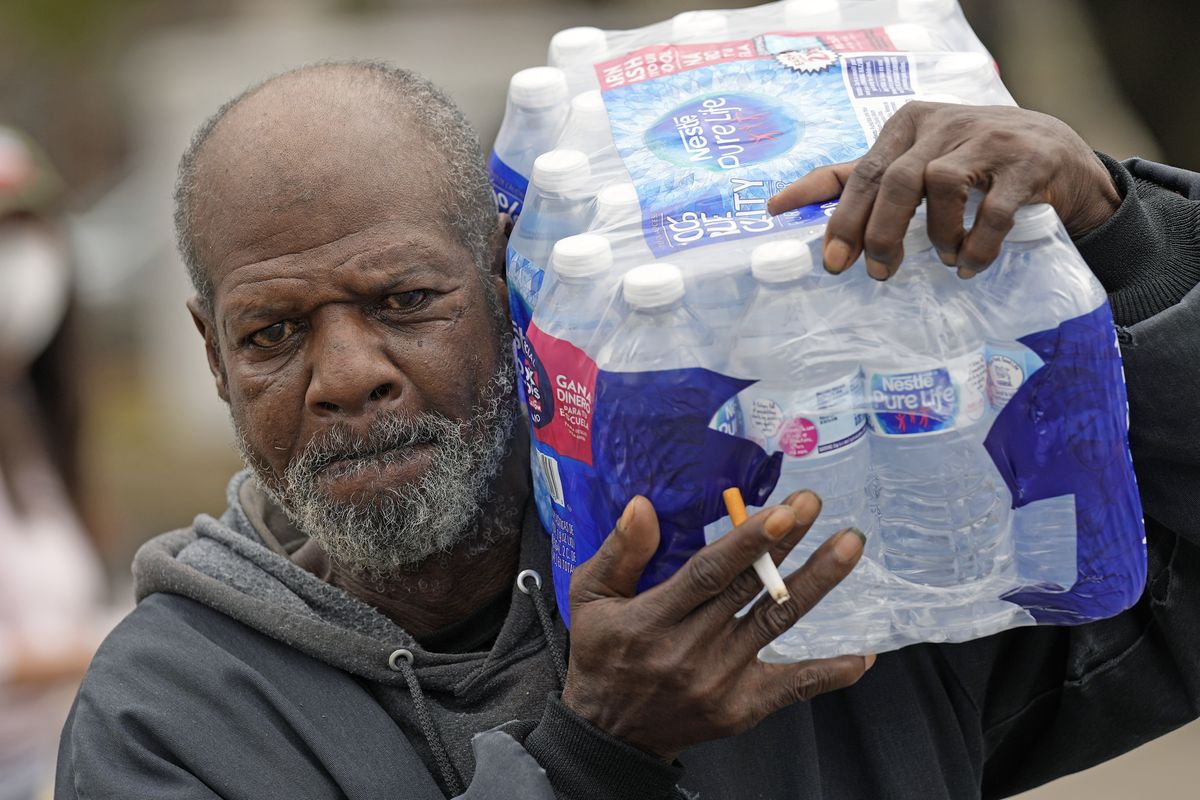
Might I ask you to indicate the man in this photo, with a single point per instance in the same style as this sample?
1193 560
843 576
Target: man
368 618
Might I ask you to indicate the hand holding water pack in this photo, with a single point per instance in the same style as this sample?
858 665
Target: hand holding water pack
674 339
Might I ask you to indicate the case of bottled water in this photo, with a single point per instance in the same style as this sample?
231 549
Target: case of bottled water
675 340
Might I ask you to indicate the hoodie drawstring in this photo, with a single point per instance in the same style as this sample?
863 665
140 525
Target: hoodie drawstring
401 661
543 613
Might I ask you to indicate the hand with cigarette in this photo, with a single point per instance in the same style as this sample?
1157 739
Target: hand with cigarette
941 151
673 667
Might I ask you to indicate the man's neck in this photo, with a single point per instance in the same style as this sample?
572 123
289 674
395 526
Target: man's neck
446 588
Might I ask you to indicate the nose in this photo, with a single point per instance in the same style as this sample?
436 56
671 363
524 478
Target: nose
351 373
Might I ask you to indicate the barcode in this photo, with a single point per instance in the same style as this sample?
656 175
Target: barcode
549 470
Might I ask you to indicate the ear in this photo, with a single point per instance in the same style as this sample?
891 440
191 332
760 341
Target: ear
208 331
504 226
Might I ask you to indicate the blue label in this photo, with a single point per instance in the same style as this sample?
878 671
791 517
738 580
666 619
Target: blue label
525 283
732 135
878 75
509 186
1064 432
940 398
1009 366
914 402
728 419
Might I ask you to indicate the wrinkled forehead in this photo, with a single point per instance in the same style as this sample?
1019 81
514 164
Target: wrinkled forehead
296 167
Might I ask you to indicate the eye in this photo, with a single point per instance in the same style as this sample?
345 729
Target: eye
406 301
272 334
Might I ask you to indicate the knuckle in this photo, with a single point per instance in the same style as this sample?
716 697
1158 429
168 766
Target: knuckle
771 619
902 180
743 586
705 574
1000 137
946 178
870 169
809 683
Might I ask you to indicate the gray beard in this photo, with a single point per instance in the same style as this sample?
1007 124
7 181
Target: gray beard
398 527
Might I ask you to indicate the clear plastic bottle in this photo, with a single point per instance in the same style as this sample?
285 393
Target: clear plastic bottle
575 301
1024 292
970 75
812 15
587 130
659 332
808 399
533 118
573 48
618 206
925 10
559 206
944 512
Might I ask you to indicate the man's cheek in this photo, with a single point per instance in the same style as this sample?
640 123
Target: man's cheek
269 410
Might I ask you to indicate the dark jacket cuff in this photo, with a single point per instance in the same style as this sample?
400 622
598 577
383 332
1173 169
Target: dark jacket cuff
584 763
1147 255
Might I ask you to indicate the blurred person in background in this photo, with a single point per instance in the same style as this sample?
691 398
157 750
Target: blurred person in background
51 580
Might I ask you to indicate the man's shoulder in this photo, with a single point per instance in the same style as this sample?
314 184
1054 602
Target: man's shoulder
171 643
181 693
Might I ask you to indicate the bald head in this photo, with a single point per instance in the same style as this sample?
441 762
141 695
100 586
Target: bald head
374 135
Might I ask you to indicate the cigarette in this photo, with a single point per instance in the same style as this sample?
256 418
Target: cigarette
767 572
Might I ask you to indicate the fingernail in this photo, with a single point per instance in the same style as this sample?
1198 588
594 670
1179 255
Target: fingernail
807 505
948 257
837 255
626 516
849 544
870 659
780 521
966 273
877 269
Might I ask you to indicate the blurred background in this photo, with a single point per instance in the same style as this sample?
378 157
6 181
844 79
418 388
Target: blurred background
111 90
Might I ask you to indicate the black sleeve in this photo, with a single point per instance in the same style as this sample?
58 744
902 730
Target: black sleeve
1057 700
1147 254
584 763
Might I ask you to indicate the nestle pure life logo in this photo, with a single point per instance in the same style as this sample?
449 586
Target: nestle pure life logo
723 131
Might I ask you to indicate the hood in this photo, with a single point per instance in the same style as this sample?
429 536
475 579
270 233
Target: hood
239 565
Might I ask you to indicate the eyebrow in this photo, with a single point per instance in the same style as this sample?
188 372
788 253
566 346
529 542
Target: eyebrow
396 258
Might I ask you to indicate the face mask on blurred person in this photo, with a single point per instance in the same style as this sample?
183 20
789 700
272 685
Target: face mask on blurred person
34 289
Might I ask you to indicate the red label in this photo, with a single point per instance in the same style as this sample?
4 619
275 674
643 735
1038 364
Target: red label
656 60
798 438
572 384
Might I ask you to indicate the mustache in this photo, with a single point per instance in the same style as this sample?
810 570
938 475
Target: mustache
385 438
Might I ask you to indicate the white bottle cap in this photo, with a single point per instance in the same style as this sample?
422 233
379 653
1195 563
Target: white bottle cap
561 171
583 256
589 108
802 12
781 261
910 36
694 24
1031 223
918 9
617 203
652 285
538 87
575 45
